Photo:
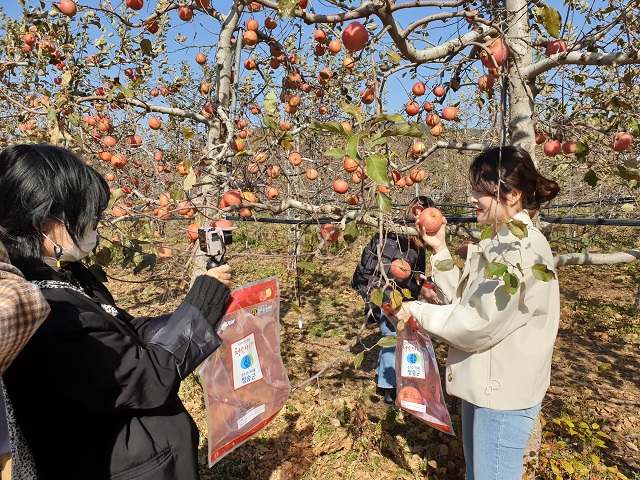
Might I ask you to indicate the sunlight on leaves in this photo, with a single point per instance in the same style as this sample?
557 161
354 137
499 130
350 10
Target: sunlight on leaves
518 228
542 272
377 168
395 299
511 282
388 341
495 269
376 297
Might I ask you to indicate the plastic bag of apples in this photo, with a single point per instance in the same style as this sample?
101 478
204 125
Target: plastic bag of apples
244 380
418 384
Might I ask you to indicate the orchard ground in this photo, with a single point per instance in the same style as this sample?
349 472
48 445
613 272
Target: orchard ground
336 427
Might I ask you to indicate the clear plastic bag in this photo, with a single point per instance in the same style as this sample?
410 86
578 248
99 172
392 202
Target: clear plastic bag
418 384
244 380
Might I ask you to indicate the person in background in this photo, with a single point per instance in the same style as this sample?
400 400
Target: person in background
94 393
368 277
500 343
22 310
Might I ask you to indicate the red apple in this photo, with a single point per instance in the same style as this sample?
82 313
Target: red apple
400 269
430 220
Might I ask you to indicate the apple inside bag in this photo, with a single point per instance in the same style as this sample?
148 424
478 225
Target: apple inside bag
419 387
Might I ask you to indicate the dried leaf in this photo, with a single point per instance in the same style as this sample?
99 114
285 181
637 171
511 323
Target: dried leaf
395 299
357 361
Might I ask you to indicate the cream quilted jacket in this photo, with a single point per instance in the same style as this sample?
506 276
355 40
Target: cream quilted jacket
500 344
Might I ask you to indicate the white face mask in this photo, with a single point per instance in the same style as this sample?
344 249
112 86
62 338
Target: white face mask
76 252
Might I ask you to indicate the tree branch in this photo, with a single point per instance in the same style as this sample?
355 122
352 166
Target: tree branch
581 58
597 258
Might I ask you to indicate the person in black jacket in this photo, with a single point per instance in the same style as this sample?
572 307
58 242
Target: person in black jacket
368 277
94 393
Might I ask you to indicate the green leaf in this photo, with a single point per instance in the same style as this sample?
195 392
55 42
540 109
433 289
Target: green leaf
634 127
395 299
591 178
384 202
542 272
396 118
350 233
352 110
444 265
394 57
581 151
487 231
404 130
115 195
187 133
175 194
352 146
296 307
357 360
495 269
518 228
376 297
335 153
406 293
550 19
628 173
335 127
74 119
146 48
270 103
286 8
286 141
66 78
377 168
307 266
388 341
189 180
144 261
270 122
511 282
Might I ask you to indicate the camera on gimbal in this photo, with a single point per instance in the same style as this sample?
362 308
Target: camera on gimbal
213 242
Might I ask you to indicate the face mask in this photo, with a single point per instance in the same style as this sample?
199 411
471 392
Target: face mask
76 252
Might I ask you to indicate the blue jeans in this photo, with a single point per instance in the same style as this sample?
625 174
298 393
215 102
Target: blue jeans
386 367
494 441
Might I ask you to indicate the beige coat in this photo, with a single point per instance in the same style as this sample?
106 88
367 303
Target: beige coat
500 345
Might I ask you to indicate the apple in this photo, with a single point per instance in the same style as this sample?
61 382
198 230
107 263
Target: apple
400 269
569 147
418 89
355 36
462 251
557 46
329 232
552 148
430 220
340 186
621 141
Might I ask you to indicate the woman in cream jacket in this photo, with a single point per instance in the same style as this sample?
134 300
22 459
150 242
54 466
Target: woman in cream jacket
501 329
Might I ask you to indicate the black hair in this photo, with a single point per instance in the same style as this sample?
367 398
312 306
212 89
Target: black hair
511 168
40 183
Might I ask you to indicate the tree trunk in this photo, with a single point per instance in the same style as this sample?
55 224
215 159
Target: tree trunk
520 105
521 125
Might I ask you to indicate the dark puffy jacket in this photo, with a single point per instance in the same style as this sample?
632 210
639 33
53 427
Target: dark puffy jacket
367 276
96 394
